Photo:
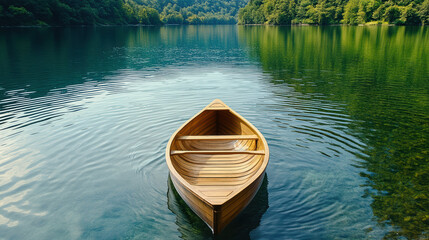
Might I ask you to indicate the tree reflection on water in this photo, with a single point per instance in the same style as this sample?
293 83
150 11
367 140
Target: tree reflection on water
381 74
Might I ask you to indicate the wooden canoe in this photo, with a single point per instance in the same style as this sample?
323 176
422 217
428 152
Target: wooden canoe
217 161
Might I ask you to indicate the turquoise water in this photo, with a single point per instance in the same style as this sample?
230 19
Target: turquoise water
86 113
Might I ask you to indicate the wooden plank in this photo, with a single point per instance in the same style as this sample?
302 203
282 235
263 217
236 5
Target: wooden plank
217 105
218 137
218 193
200 208
233 207
213 152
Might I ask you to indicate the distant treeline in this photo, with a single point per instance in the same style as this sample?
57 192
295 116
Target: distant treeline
197 11
75 12
155 12
284 12
117 12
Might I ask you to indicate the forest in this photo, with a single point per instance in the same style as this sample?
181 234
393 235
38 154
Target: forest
157 12
323 12
196 11
117 12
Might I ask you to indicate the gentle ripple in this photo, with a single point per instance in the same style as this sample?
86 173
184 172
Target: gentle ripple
83 127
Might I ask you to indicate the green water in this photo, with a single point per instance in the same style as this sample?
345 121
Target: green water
86 113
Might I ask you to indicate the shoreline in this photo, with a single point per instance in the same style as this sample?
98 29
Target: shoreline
253 24
53 26
331 25
114 25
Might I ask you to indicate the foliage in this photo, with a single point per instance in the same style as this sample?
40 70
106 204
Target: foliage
108 12
351 12
277 12
198 11
66 12
392 14
321 12
423 12
19 13
409 16
154 12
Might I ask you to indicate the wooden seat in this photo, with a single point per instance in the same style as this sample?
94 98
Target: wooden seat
214 152
217 137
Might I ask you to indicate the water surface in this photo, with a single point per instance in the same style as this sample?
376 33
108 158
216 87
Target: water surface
86 113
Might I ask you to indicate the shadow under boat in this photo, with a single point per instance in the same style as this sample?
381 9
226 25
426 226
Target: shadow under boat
192 227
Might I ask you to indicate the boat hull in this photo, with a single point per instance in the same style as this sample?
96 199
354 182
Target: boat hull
218 217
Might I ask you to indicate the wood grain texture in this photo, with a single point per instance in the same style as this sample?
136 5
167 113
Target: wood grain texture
217 137
212 152
217 160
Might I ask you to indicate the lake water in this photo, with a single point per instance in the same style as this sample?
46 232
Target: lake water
86 113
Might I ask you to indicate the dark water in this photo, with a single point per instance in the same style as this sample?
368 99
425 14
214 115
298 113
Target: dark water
86 113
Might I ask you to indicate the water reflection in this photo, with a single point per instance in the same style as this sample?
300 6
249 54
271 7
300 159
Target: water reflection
191 226
85 114
379 76
35 61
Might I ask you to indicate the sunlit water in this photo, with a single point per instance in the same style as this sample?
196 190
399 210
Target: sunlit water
86 113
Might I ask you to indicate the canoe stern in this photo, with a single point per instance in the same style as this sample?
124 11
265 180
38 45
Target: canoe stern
203 209
225 213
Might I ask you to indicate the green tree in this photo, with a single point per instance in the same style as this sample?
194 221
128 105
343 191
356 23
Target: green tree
423 12
88 15
279 12
258 16
379 12
142 16
74 12
173 18
366 10
323 13
351 12
392 14
333 11
153 16
409 15
62 14
302 8
194 19
20 15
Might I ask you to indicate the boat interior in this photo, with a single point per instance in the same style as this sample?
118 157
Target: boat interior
217 151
